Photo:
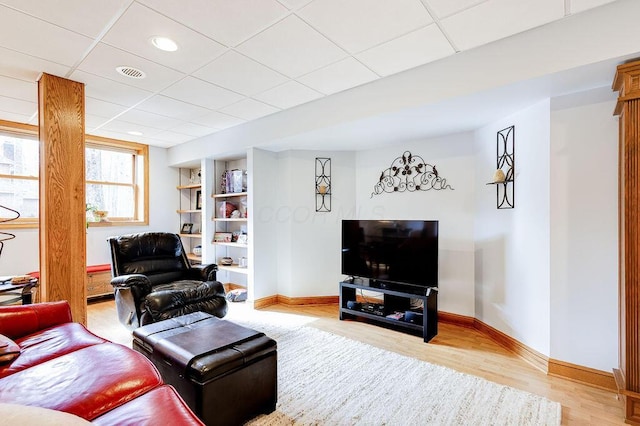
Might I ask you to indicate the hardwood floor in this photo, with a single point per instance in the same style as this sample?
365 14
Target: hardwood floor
463 349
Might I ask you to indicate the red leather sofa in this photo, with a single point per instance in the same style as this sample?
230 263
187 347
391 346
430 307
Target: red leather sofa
64 367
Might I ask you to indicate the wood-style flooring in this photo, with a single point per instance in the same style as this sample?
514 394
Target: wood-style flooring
463 349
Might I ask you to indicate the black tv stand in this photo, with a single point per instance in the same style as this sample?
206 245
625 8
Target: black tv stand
395 299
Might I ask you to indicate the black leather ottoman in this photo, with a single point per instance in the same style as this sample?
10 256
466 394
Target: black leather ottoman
226 373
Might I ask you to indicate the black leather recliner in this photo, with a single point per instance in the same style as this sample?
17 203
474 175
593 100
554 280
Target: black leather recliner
153 280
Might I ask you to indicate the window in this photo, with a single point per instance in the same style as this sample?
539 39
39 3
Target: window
116 175
19 175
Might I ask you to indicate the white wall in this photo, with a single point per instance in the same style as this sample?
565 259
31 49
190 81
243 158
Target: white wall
308 255
584 235
453 157
21 254
512 253
263 186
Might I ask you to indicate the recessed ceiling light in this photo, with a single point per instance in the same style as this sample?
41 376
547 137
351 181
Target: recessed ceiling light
135 133
131 72
164 43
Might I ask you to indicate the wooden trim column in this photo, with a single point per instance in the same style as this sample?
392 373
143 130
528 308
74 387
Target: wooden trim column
62 193
627 375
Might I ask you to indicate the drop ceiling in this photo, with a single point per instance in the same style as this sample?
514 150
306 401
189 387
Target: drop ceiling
237 60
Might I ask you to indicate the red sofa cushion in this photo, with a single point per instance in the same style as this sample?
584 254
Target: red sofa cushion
48 344
19 320
159 403
87 382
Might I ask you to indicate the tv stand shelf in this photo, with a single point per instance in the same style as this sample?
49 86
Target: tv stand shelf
395 299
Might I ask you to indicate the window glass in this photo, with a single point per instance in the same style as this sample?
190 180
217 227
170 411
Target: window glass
117 201
105 165
18 175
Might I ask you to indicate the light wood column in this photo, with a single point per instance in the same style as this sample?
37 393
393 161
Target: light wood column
627 375
62 193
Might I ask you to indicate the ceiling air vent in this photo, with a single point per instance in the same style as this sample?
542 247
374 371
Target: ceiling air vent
131 72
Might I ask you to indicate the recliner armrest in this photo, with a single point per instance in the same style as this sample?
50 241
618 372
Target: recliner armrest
132 280
203 272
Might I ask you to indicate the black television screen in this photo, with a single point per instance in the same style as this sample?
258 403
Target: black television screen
394 251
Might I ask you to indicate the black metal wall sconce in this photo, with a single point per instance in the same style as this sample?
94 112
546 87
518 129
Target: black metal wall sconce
323 184
505 160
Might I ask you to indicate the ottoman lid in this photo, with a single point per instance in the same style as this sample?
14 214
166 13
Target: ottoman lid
202 345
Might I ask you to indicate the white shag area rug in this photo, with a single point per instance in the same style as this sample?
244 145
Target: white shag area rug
325 379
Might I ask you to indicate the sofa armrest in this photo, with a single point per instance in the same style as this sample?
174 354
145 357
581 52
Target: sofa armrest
20 320
133 280
203 272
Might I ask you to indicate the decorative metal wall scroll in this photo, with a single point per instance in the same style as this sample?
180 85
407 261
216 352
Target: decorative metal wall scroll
410 173
505 160
323 184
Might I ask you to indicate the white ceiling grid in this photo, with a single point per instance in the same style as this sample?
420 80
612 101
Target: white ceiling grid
238 60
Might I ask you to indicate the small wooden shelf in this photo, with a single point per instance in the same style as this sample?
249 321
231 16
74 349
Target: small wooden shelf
230 244
189 211
231 194
191 235
233 268
191 186
500 183
192 256
229 219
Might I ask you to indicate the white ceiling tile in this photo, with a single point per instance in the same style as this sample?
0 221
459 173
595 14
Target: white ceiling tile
417 48
194 130
19 89
240 74
582 5
101 108
294 4
121 136
357 25
29 35
227 21
104 59
172 137
497 19
27 68
12 116
292 47
95 14
18 106
444 8
144 118
109 90
172 108
92 121
249 109
339 76
218 120
288 95
134 30
198 92
125 127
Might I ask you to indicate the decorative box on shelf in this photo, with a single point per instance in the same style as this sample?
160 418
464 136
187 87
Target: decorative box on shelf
222 237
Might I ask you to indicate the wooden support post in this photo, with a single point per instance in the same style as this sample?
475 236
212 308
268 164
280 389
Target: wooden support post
627 375
62 193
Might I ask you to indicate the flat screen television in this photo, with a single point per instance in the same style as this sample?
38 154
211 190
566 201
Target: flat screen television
403 252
